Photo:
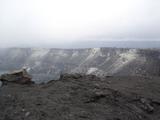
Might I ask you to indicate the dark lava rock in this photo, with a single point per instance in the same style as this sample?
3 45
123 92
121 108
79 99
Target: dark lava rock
83 98
20 76
70 76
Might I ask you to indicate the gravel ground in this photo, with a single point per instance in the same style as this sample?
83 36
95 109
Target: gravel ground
76 97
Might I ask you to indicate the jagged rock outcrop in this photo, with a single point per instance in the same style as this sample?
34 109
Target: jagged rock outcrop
19 76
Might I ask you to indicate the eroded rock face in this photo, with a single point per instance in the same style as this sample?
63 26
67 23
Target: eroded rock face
20 76
48 64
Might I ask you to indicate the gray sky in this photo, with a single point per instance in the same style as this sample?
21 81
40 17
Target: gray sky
57 21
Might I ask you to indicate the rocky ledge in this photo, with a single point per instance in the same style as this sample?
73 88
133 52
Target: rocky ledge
18 76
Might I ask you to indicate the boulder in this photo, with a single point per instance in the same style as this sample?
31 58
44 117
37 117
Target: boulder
70 76
146 105
19 76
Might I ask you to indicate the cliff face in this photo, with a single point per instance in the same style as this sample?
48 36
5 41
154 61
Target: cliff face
47 64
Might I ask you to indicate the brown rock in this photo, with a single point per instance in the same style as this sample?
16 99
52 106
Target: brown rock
19 76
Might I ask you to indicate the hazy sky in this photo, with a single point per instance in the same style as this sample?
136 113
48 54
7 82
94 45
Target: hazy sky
53 21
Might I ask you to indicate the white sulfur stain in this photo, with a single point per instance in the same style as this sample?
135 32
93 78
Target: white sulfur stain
128 56
94 52
75 54
91 70
124 59
39 52
62 54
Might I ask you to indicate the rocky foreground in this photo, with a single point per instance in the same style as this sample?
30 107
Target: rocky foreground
76 97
